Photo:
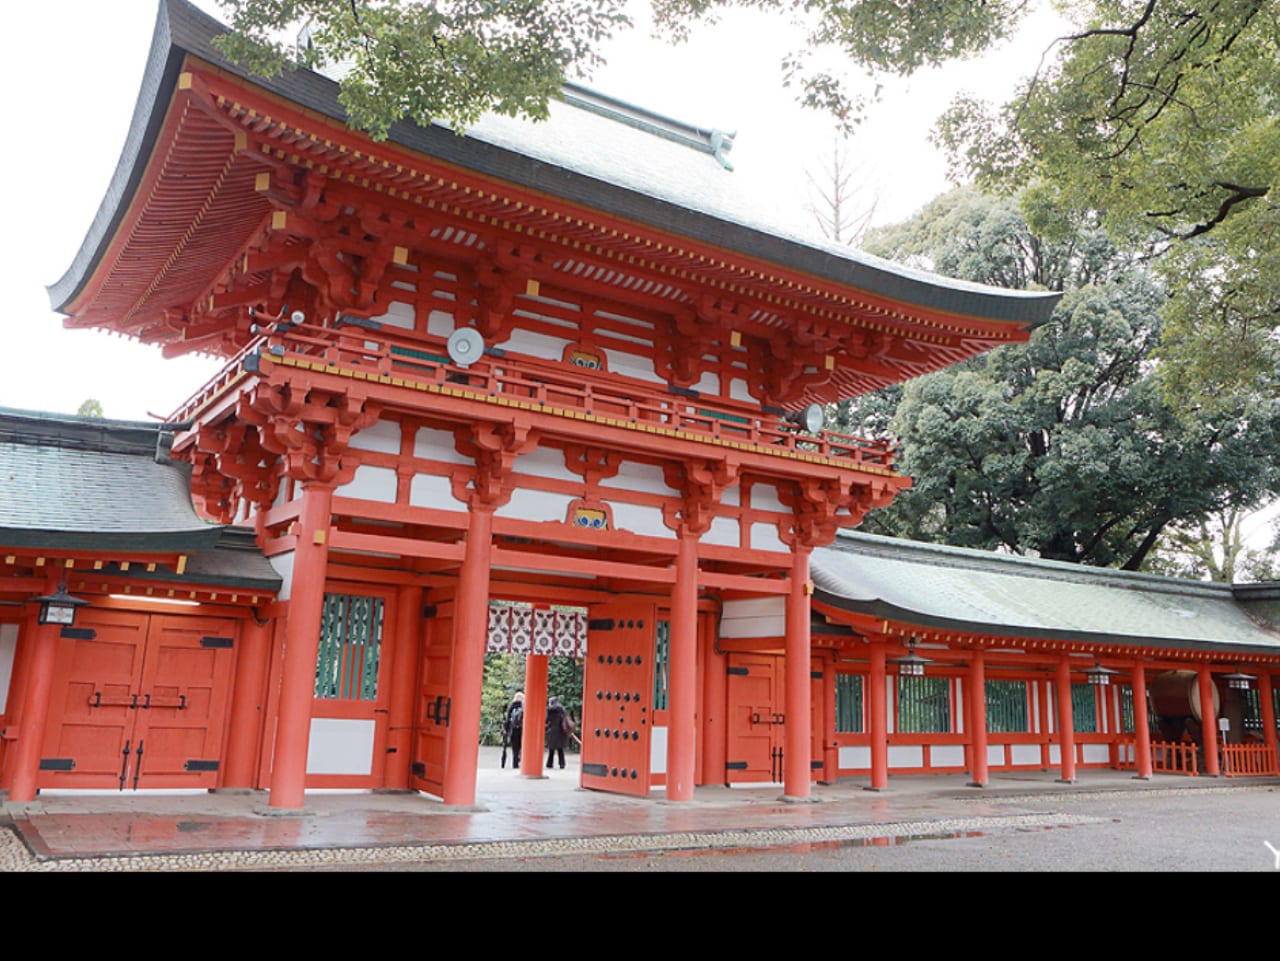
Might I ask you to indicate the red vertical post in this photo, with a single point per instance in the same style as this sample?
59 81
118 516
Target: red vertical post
830 748
683 671
1208 722
35 707
246 729
1267 703
406 651
1042 700
466 679
1141 723
1066 726
978 718
301 645
798 733
535 714
877 718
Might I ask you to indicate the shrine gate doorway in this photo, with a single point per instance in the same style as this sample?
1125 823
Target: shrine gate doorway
138 701
757 717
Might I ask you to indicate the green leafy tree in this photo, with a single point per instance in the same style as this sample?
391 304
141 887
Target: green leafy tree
90 408
1215 549
1063 446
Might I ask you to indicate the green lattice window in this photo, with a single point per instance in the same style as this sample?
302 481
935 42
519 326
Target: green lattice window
350 648
1127 723
1007 707
1084 709
849 703
1252 703
924 705
661 664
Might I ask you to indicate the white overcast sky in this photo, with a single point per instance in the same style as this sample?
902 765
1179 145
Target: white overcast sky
72 70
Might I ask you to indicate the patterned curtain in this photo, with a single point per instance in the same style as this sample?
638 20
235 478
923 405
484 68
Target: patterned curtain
521 629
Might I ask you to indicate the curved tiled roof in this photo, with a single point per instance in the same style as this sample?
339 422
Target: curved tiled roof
583 155
956 589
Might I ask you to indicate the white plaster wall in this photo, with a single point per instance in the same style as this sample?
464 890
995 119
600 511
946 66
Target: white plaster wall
708 383
1055 755
531 505
724 531
545 462
8 646
645 478
371 484
383 437
340 746
432 444
632 365
639 519
906 755
764 537
283 565
957 691
764 497
738 390
399 314
730 496
429 490
950 755
440 323
1025 754
658 750
535 345
855 755
1095 753
754 617
995 755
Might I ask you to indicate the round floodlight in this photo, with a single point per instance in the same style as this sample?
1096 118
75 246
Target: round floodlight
465 346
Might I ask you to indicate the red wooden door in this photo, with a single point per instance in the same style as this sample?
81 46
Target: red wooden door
432 708
617 696
139 701
756 716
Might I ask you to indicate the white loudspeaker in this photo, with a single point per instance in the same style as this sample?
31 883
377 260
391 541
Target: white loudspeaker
465 346
809 419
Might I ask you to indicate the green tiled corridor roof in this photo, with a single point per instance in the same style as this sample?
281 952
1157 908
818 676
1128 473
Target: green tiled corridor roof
955 589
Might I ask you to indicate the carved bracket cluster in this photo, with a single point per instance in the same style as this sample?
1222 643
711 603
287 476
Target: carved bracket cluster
498 281
231 466
494 448
310 428
821 506
592 464
701 484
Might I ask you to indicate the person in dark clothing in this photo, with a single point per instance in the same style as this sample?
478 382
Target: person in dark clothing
559 730
513 727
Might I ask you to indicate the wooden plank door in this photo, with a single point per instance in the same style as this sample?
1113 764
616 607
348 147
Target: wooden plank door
617 696
755 718
432 709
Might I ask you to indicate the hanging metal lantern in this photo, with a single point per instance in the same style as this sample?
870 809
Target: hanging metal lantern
1098 675
1239 680
911 665
59 607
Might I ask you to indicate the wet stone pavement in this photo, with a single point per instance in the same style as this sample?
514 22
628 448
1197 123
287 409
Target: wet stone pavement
525 819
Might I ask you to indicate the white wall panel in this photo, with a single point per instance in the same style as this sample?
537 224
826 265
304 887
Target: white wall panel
432 444
764 537
545 462
764 497
8 647
1025 754
754 617
428 490
383 437
855 755
658 750
531 505
283 565
905 755
340 746
724 531
948 755
399 314
371 484
440 323
639 519
1095 753
644 478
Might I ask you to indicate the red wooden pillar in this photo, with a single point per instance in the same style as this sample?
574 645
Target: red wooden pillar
877 718
683 668
301 645
244 736
38 690
535 714
798 733
466 679
830 746
406 648
978 718
1042 699
1265 699
1066 726
1141 723
1208 722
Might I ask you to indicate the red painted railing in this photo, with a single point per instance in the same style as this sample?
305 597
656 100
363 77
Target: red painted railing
553 388
1175 757
1248 760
